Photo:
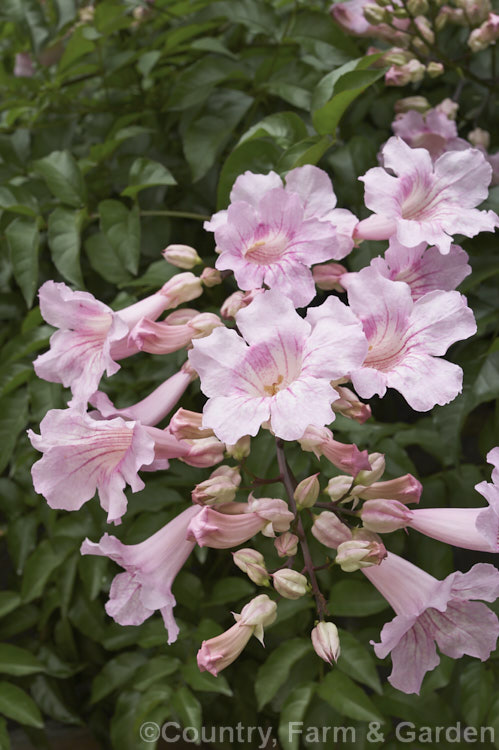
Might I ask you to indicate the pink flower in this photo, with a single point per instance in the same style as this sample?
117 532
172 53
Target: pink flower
426 202
424 268
91 336
350 16
429 612
272 234
406 337
281 370
432 130
23 65
232 524
84 455
469 528
345 456
151 567
173 333
153 408
217 653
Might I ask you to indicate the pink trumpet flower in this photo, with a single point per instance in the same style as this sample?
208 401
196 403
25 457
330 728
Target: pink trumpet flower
429 612
82 455
345 456
150 569
173 333
281 370
424 201
406 339
272 234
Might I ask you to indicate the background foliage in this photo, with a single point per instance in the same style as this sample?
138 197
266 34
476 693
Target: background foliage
131 130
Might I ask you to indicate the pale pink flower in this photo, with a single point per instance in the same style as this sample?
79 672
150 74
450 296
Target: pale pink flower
493 458
424 201
280 371
345 456
350 405
84 455
469 528
151 567
23 65
407 338
151 409
232 524
174 333
217 653
432 130
272 234
424 268
429 612
350 16
91 336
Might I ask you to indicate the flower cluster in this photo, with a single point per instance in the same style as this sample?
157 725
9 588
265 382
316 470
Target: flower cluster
264 365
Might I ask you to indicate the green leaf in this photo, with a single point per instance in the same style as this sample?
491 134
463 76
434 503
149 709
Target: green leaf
294 710
347 88
9 600
231 589
78 46
146 173
115 674
154 670
4 736
352 598
46 558
308 151
258 155
204 681
105 260
285 128
66 11
356 661
17 705
347 698
63 177
51 699
188 708
18 661
13 418
64 227
23 239
273 674
122 228
477 690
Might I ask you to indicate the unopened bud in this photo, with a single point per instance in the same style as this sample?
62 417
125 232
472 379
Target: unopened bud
399 13
327 276
221 487
241 449
374 14
231 472
350 405
211 277
329 530
260 612
338 487
479 137
377 461
417 7
435 69
397 56
187 425
362 551
425 29
326 641
385 516
182 287
289 583
286 544
204 323
205 452
307 492
417 103
448 108
182 256
252 563
405 489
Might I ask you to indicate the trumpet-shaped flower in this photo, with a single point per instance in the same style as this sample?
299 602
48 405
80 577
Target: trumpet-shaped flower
272 234
150 569
424 201
280 371
424 268
406 339
429 612
431 130
82 455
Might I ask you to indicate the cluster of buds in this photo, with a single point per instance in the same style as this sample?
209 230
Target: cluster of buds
485 35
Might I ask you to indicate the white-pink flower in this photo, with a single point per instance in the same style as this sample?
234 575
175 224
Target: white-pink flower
151 567
82 455
272 234
406 339
421 201
424 268
280 371
432 130
430 612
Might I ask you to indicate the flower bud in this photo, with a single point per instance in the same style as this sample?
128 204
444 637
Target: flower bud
187 425
274 510
221 487
241 449
399 13
338 487
329 530
417 103
479 137
286 544
435 69
417 7
252 563
362 551
448 108
289 583
203 324
405 489
237 301
182 256
327 276
260 612
326 641
377 461
231 472
374 14
307 492
397 57
350 405
182 287
385 516
424 28
211 277
205 452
